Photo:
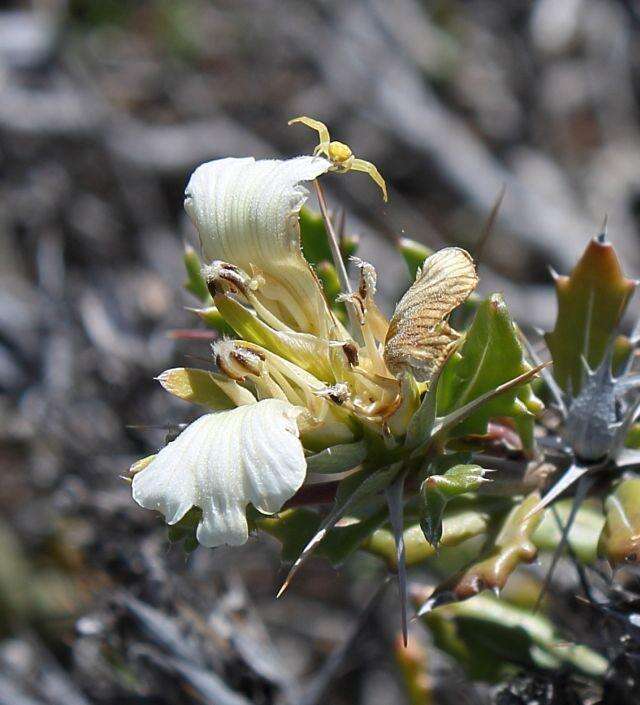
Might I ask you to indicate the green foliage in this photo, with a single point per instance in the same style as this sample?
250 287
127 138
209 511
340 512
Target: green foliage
509 548
337 458
633 438
584 532
490 638
462 520
195 283
490 355
101 12
414 254
313 234
378 507
185 530
591 302
620 539
294 528
212 318
315 242
438 490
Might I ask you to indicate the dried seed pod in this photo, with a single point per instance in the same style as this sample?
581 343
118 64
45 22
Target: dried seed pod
420 339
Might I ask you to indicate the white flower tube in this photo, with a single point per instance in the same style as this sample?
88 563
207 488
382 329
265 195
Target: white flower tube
246 213
221 463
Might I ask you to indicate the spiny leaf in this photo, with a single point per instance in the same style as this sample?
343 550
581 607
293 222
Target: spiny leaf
438 490
395 502
459 524
295 527
490 355
511 547
591 302
363 485
572 474
620 539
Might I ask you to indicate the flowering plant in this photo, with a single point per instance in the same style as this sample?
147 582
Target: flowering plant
336 429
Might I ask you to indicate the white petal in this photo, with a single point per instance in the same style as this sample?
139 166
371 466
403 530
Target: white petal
222 462
246 213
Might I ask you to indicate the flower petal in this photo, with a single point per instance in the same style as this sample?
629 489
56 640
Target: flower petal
222 462
246 213
419 338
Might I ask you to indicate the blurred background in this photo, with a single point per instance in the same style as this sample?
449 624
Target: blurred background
105 108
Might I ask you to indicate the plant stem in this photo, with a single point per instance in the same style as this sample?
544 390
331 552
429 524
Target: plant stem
334 246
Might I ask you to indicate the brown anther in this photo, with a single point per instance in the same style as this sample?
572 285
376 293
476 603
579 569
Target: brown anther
351 353
249 359
236 361
363 289
228 370
221 277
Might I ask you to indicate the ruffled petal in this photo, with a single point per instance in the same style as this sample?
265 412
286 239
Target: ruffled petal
246 213
222 462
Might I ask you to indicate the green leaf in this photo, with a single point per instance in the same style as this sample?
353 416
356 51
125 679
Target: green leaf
185 530
591 302
195 284
212 318
620 539
438 490
633 437
315 241
422 422
344 540
292 527
485 634
313 234
583 534
354 489
414 254
511 547
459 524
337 458
490 356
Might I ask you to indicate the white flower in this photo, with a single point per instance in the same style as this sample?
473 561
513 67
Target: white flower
221 463
246 213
